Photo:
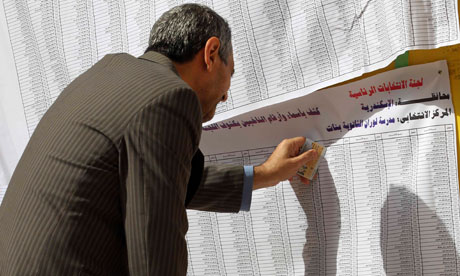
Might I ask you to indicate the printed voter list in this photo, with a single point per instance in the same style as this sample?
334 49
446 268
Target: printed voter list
385 201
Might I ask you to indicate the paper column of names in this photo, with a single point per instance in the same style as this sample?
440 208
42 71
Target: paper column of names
140 16
249 82
436 235
417 255
275 41
454 187
400 152
366 188
338 208
28 57
79 37
350 203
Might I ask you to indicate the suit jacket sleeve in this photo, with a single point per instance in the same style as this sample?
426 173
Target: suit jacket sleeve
220 188
156 152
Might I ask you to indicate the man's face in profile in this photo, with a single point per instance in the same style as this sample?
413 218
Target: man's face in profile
220 85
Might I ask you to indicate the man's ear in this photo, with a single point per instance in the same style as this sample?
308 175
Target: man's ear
211 52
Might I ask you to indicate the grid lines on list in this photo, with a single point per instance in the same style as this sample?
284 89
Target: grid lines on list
383 203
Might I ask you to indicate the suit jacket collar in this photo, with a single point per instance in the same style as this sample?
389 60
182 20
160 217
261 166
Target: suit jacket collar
160 59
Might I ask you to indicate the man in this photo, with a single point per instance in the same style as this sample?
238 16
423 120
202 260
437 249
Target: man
103 185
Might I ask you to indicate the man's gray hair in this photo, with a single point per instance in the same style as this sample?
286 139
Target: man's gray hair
182 32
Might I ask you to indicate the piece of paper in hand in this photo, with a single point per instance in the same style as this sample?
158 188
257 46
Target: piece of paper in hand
309 169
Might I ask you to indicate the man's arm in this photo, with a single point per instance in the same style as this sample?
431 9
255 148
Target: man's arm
221 187
154 168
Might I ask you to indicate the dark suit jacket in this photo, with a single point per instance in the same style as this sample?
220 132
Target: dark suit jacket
102 185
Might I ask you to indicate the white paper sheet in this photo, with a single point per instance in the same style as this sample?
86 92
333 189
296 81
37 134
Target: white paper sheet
386 198
283 49
286 49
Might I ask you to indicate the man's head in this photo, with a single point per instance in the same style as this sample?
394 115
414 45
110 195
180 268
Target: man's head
182 32
198 41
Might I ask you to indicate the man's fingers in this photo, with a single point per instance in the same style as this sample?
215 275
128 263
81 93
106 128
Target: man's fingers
305 157
295 144
298 141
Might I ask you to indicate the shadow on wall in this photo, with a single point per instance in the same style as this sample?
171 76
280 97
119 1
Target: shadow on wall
413 238
321 205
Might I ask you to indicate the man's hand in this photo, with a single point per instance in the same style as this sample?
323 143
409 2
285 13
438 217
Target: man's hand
283 163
